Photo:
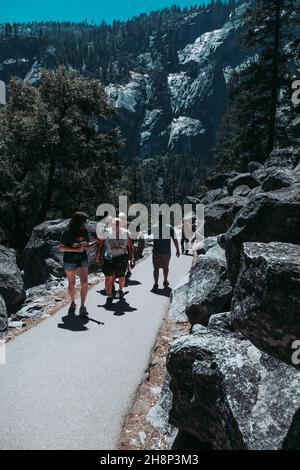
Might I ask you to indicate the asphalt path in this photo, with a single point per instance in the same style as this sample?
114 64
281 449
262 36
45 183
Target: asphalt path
69 381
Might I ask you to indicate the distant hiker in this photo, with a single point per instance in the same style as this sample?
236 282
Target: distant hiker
188 229
184 237
124 224
140 243
114 256
162 234
74 243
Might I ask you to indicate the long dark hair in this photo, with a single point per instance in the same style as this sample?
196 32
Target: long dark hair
76 222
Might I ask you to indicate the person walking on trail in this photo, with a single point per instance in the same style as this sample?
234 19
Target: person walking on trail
162 234
74 243
188 229
113 257
124 224
184 237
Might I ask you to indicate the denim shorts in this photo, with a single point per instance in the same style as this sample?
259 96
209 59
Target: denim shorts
73 266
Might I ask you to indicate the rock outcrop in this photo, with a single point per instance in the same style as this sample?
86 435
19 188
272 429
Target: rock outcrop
235 378
245 179
266 302
229 394
11 282
41 257
219 215
208 291
3 316
271 216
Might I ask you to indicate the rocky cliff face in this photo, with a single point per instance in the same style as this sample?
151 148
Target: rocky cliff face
173 102
235 379
176 107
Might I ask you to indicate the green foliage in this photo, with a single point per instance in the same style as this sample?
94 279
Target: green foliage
163 179
54 157
109 51
260 92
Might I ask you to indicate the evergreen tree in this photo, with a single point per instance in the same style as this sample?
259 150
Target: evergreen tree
254 126
54 157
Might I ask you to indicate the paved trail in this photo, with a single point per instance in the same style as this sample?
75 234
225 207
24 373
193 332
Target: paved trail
69 383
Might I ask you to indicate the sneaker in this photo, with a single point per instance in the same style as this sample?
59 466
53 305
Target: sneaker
154 288
120 294
109 302
83 311
166 283
72 308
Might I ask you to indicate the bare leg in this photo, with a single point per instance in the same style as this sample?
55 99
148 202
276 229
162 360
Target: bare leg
121 283
71 275
156 275
109 281
83 274
166 274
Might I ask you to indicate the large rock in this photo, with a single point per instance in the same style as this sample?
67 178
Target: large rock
293 130
208 243
278 178
254 166
285 158
209 290
242 190
266 302
229 394
273 216
41 257
11 282
214 195
218 180
243 179
3 316
220 214
178 301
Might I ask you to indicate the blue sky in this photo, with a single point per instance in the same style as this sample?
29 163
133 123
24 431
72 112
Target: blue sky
77 10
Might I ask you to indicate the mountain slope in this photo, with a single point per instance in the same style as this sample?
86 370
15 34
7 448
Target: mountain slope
166 75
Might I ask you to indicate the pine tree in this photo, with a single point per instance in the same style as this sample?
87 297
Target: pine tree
258 88
54 157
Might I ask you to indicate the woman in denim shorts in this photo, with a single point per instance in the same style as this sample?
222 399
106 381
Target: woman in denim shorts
74 243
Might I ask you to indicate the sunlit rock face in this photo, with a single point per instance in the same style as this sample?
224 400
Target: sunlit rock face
175 95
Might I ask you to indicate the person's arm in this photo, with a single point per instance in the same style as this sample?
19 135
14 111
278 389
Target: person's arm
131 250
177 247
99 251
175 241
92 244
67 249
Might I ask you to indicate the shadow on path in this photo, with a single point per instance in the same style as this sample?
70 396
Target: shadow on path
120 307
132 282
74 322
166 292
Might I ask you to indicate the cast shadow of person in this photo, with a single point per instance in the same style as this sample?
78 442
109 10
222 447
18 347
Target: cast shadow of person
119 308
74 322
165 292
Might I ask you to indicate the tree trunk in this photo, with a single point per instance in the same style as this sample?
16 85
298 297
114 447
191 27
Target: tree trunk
49 192
275 78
